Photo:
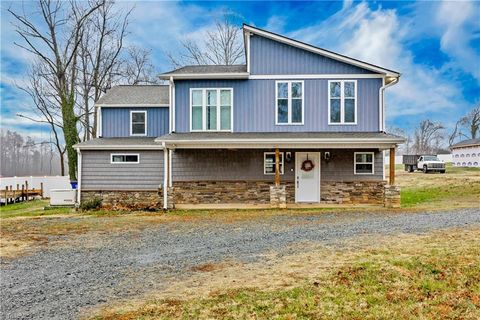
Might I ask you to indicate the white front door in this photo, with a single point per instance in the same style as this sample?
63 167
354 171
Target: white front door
307 175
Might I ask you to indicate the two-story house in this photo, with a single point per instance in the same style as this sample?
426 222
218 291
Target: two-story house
295 125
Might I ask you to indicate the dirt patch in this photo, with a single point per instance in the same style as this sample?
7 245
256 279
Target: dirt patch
209 267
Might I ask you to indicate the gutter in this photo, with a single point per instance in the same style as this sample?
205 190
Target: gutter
381 101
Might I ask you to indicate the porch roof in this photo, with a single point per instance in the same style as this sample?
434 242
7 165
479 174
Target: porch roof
133 143
339 140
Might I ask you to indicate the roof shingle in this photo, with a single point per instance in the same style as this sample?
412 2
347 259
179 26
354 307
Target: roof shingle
240 68
464 143
136 95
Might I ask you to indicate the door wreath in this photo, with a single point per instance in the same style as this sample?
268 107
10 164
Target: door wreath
307 165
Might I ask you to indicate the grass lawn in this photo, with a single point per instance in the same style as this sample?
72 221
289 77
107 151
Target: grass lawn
30 209
458 187
412 277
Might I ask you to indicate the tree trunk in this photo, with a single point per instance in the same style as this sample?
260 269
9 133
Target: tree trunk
87 117
95 124
62 164
70 133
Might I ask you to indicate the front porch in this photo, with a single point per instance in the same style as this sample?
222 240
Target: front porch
213 170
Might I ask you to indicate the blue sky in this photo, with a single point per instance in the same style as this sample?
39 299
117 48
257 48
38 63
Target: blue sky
435 45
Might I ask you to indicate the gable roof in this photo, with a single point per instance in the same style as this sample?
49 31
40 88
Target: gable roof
135 95
327 53
466 143
208 71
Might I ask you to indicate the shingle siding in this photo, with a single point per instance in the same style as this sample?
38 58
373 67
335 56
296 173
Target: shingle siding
271 57
99 174
247 165
254 105
116 121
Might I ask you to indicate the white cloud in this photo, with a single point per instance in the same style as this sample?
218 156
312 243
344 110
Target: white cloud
379 36
459 23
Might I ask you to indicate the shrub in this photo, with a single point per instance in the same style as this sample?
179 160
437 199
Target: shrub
91 204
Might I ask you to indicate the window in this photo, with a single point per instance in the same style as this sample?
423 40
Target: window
456 156
211 109
289 102
269 163
342 102
138 123
461 156
363 163
458 164
124 158
467 155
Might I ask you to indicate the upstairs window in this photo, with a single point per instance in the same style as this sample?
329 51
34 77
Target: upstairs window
363 163
138 123
289 102
211 109
342 102
124 158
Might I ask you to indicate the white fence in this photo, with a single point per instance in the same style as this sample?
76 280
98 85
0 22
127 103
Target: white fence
398 159
49 183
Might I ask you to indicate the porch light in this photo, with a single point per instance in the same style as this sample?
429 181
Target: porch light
327 156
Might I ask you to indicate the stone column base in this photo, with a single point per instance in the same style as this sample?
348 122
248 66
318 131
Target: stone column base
278 197
392 196
170 198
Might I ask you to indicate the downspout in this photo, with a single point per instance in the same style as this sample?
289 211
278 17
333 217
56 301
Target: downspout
165 176
172 104
381 102
79 173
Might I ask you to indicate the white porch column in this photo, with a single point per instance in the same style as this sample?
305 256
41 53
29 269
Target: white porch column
79 175
165 175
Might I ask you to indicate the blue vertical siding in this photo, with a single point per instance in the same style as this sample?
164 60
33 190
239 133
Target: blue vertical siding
254 105
116 121
272 57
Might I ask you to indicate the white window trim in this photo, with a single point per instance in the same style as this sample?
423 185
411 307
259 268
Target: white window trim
131 123
342 104
124 154
204 110
289 98
282 162
355 163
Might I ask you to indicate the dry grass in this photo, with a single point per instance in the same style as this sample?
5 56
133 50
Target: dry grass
434 276
457 188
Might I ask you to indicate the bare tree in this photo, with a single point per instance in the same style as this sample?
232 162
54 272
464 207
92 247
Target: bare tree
138 68
222 46
99 58
46 108
471 122
55 42
428 136
404 148
22 155
455 133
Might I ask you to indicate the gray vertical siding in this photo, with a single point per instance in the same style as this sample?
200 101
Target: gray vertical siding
99 174
254 105
116 121
271 57
247 165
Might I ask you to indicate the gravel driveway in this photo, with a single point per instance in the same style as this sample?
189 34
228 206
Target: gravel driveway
57 282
